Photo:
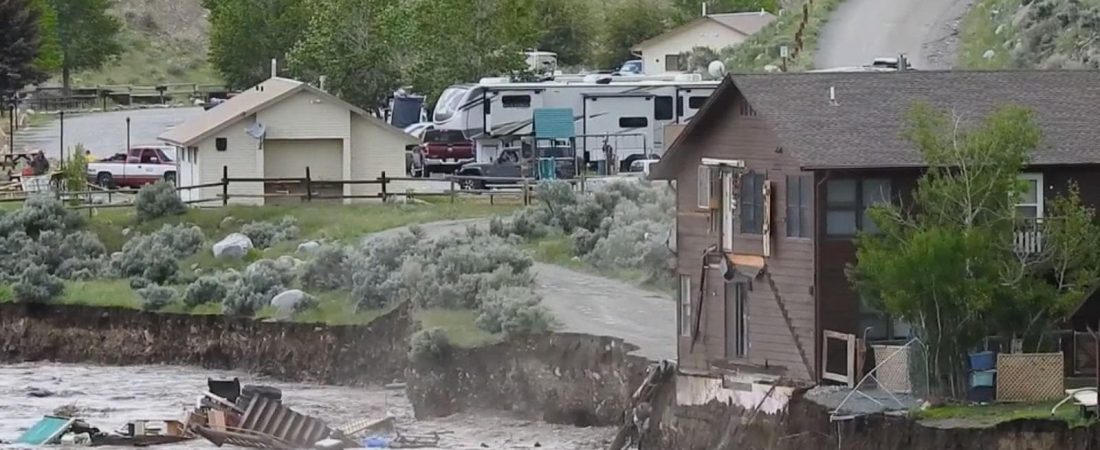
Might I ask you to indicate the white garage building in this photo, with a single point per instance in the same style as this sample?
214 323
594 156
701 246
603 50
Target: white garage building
277 129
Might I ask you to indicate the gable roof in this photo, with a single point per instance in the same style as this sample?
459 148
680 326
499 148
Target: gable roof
745 23
252 101
862 129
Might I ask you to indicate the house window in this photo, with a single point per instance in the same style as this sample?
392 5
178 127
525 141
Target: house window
737 323
221 144
685 305
799 204
696 102
516 101
672 63
703 188
633 122
752 203
662 108
847 202
1030 205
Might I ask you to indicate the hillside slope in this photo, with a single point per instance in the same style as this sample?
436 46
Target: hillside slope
1043 34
164 41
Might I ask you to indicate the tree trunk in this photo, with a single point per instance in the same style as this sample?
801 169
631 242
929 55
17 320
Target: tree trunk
66 80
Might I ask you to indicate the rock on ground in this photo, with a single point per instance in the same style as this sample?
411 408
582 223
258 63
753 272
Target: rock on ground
287 300
308 247
234 246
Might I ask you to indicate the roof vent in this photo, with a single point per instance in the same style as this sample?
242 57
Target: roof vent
832 96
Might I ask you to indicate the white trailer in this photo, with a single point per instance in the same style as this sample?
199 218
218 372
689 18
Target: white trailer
627 113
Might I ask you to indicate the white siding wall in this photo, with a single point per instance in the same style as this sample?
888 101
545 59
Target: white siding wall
305 116
374 150
243 158
288 158
705 34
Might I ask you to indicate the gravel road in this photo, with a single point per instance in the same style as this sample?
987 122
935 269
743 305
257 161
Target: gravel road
104 133
590 304
861 30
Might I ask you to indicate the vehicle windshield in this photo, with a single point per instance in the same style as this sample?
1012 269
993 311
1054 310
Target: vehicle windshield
448 103
444 136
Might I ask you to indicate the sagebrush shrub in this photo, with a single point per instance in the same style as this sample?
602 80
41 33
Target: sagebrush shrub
40 212
158 200
155 297
514 311
156 256
258 284
431 344
36 285
207 289
265 234
328 269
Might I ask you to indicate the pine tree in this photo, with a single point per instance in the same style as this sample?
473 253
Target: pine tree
20 40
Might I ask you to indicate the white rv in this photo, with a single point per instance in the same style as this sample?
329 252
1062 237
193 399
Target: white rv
626 113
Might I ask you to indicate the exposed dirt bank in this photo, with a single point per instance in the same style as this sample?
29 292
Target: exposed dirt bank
805 426
564 378
345 355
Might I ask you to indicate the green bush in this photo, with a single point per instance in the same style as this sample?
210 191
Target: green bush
75 171
430 345
36 285
328 269
266 234
158 200
155 297
207 289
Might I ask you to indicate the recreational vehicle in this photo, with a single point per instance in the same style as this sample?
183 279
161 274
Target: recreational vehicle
621 116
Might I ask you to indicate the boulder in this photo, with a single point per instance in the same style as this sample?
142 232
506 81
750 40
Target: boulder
308 247
234 246
287 300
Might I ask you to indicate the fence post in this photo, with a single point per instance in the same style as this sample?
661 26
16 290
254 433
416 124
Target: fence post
452 190
526 193
225 185
309 186
384 181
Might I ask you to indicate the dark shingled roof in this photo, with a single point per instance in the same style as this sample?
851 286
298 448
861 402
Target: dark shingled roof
863 127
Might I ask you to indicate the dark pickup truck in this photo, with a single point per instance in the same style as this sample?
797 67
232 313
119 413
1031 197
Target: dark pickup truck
509 168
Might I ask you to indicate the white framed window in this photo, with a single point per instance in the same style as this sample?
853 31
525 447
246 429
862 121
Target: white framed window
1030 204
703 187
685 305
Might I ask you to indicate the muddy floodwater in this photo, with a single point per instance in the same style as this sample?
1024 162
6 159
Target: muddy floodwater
108 397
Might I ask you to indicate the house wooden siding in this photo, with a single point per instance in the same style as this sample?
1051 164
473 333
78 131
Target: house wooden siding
705 33
242 156
838 302
771 344
386 154
306 115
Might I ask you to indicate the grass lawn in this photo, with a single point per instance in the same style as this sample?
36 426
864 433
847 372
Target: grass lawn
316 221
989 415
459 325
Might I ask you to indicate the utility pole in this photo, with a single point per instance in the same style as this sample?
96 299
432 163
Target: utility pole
61 118
127 136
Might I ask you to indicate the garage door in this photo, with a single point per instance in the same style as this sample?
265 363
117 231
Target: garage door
289 158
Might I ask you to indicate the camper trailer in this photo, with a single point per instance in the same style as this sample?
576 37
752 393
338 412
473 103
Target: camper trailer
623 116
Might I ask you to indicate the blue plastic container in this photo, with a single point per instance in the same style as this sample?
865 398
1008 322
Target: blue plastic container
983 361
376 442
984 378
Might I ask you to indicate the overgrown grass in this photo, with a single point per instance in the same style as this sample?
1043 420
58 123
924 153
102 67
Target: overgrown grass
459 325
316 221
989 415
336 308
979 34
762 48
148 59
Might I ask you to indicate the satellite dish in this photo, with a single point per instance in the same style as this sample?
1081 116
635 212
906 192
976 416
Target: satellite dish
257 130
716 69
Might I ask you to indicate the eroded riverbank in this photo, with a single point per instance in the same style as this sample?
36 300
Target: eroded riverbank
108 397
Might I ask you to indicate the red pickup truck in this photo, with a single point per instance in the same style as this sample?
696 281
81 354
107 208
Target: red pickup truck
444 151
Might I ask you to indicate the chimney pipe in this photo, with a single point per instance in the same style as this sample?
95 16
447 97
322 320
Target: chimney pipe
832 96
903 63
274 67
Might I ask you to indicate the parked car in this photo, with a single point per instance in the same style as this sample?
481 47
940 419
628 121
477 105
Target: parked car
509 167
632 67
444 151
137 167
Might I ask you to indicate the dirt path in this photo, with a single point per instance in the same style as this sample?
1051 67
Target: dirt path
861 30
589 304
